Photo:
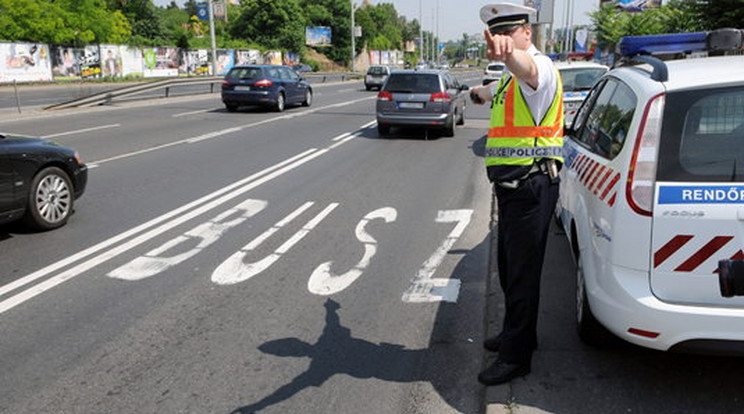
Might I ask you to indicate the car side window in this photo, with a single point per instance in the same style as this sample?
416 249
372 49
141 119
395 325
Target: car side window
274 73
590 130
288 73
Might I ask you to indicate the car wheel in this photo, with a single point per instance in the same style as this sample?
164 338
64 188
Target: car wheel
231 108
51 199
461 120
589 329
367 87
279 107
383 129
308 98
449 127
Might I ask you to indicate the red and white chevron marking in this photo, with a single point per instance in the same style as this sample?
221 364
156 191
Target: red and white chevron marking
597 178
698 257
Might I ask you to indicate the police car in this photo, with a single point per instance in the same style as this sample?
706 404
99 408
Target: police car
578 77
652 198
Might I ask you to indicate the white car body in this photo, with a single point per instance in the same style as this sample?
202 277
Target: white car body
578 78
493 72
650 274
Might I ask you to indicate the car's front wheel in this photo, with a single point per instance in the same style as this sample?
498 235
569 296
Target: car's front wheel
51 199
308 98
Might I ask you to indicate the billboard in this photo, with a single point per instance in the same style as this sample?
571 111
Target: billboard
318 36
634 5
25 62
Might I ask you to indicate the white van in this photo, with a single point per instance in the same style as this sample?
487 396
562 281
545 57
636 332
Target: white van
652 199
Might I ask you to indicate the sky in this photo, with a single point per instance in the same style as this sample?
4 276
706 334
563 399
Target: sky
461 16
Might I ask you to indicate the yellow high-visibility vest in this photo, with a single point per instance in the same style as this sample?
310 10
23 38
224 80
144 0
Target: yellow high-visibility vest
515 142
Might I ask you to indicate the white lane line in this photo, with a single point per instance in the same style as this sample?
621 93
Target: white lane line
54 281
78 131
216 134
105 244
342 136
201 111
369 124
347 90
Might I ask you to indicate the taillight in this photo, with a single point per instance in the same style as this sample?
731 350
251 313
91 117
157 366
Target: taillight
225 83
384 96
639 190
264 82
440 97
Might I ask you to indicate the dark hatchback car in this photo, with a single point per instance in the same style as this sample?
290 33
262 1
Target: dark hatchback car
421 98
273 86
39 181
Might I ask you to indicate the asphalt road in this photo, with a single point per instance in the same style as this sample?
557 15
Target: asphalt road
297 262
251 262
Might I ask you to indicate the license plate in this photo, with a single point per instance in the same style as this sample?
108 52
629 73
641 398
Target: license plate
242 88
411 105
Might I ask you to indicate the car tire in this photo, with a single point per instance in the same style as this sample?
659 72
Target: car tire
449 127
461 120
308 98
51 199
590 331
367 87
231 108
383 130
279 106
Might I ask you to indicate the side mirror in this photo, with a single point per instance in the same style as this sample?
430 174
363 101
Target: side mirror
464 87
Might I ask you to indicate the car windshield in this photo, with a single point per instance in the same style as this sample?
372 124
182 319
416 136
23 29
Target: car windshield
580 79
377 70
496 68
413 83
245 73
703 136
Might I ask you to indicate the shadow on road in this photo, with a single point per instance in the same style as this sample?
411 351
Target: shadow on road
450 363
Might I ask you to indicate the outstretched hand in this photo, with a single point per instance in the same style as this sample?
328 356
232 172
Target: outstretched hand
500 47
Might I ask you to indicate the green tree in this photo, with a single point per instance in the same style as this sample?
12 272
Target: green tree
143 18
275 24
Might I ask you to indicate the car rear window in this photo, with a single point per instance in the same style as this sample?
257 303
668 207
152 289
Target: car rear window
580 79
702 136
377 70
496 67
245 73
413 83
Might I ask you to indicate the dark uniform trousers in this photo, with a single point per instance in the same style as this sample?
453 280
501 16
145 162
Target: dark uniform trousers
524 216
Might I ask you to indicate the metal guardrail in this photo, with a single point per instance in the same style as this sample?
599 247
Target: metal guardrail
107 97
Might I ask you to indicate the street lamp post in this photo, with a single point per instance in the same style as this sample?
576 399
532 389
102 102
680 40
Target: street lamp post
214 43
353 43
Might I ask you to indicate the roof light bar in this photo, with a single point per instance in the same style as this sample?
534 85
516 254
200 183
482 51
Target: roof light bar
716 40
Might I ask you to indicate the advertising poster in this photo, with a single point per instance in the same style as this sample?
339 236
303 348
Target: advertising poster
248 57
112 62
291 59
225 61
272 57
160 61
66 61
131 61
385 57
90 67
634 5
195 62
374 57
318 36
25 62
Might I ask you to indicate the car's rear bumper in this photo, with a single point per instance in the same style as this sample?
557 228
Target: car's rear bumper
248 98
414 119
624 300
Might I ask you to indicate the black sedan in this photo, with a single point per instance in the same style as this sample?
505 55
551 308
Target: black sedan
268 85
39 181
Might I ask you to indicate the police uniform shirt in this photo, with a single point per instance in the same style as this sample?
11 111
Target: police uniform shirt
540 99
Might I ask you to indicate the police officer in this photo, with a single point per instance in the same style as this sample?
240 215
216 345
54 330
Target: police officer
523 155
